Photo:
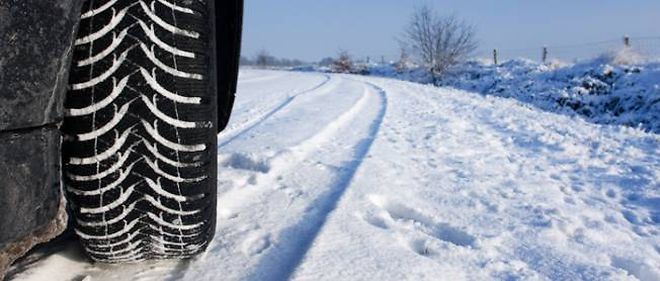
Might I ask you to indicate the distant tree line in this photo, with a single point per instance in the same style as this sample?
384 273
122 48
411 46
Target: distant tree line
264 59
430 40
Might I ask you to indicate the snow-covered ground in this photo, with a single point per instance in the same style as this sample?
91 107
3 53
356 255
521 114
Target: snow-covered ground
619 88
333 177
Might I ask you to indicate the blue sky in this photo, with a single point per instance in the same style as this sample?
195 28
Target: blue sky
312 29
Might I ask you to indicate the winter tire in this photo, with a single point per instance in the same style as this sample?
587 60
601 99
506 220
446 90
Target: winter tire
140 129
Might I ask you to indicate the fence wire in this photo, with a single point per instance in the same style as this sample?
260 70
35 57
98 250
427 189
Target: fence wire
645 47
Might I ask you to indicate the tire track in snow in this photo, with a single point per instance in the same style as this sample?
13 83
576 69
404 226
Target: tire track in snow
251 231
286 160
246 127
282 263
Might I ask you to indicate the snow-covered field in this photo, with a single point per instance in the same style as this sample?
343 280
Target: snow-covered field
332 177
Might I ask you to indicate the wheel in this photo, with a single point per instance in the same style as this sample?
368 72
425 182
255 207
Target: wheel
140 128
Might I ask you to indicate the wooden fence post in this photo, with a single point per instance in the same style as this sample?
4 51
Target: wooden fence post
544 57
626 41
495 56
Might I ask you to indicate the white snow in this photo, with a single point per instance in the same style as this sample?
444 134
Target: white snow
356 178
618 88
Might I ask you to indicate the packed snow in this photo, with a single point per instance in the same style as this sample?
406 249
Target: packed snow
340 177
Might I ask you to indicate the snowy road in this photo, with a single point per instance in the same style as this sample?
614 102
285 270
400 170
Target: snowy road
354 178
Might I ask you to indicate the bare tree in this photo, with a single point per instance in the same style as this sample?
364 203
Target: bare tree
439 41
343 64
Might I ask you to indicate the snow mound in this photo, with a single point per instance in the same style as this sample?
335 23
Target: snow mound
617 88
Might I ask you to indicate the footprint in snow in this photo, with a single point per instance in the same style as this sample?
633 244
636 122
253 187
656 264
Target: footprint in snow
405 219
375 220
255 244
